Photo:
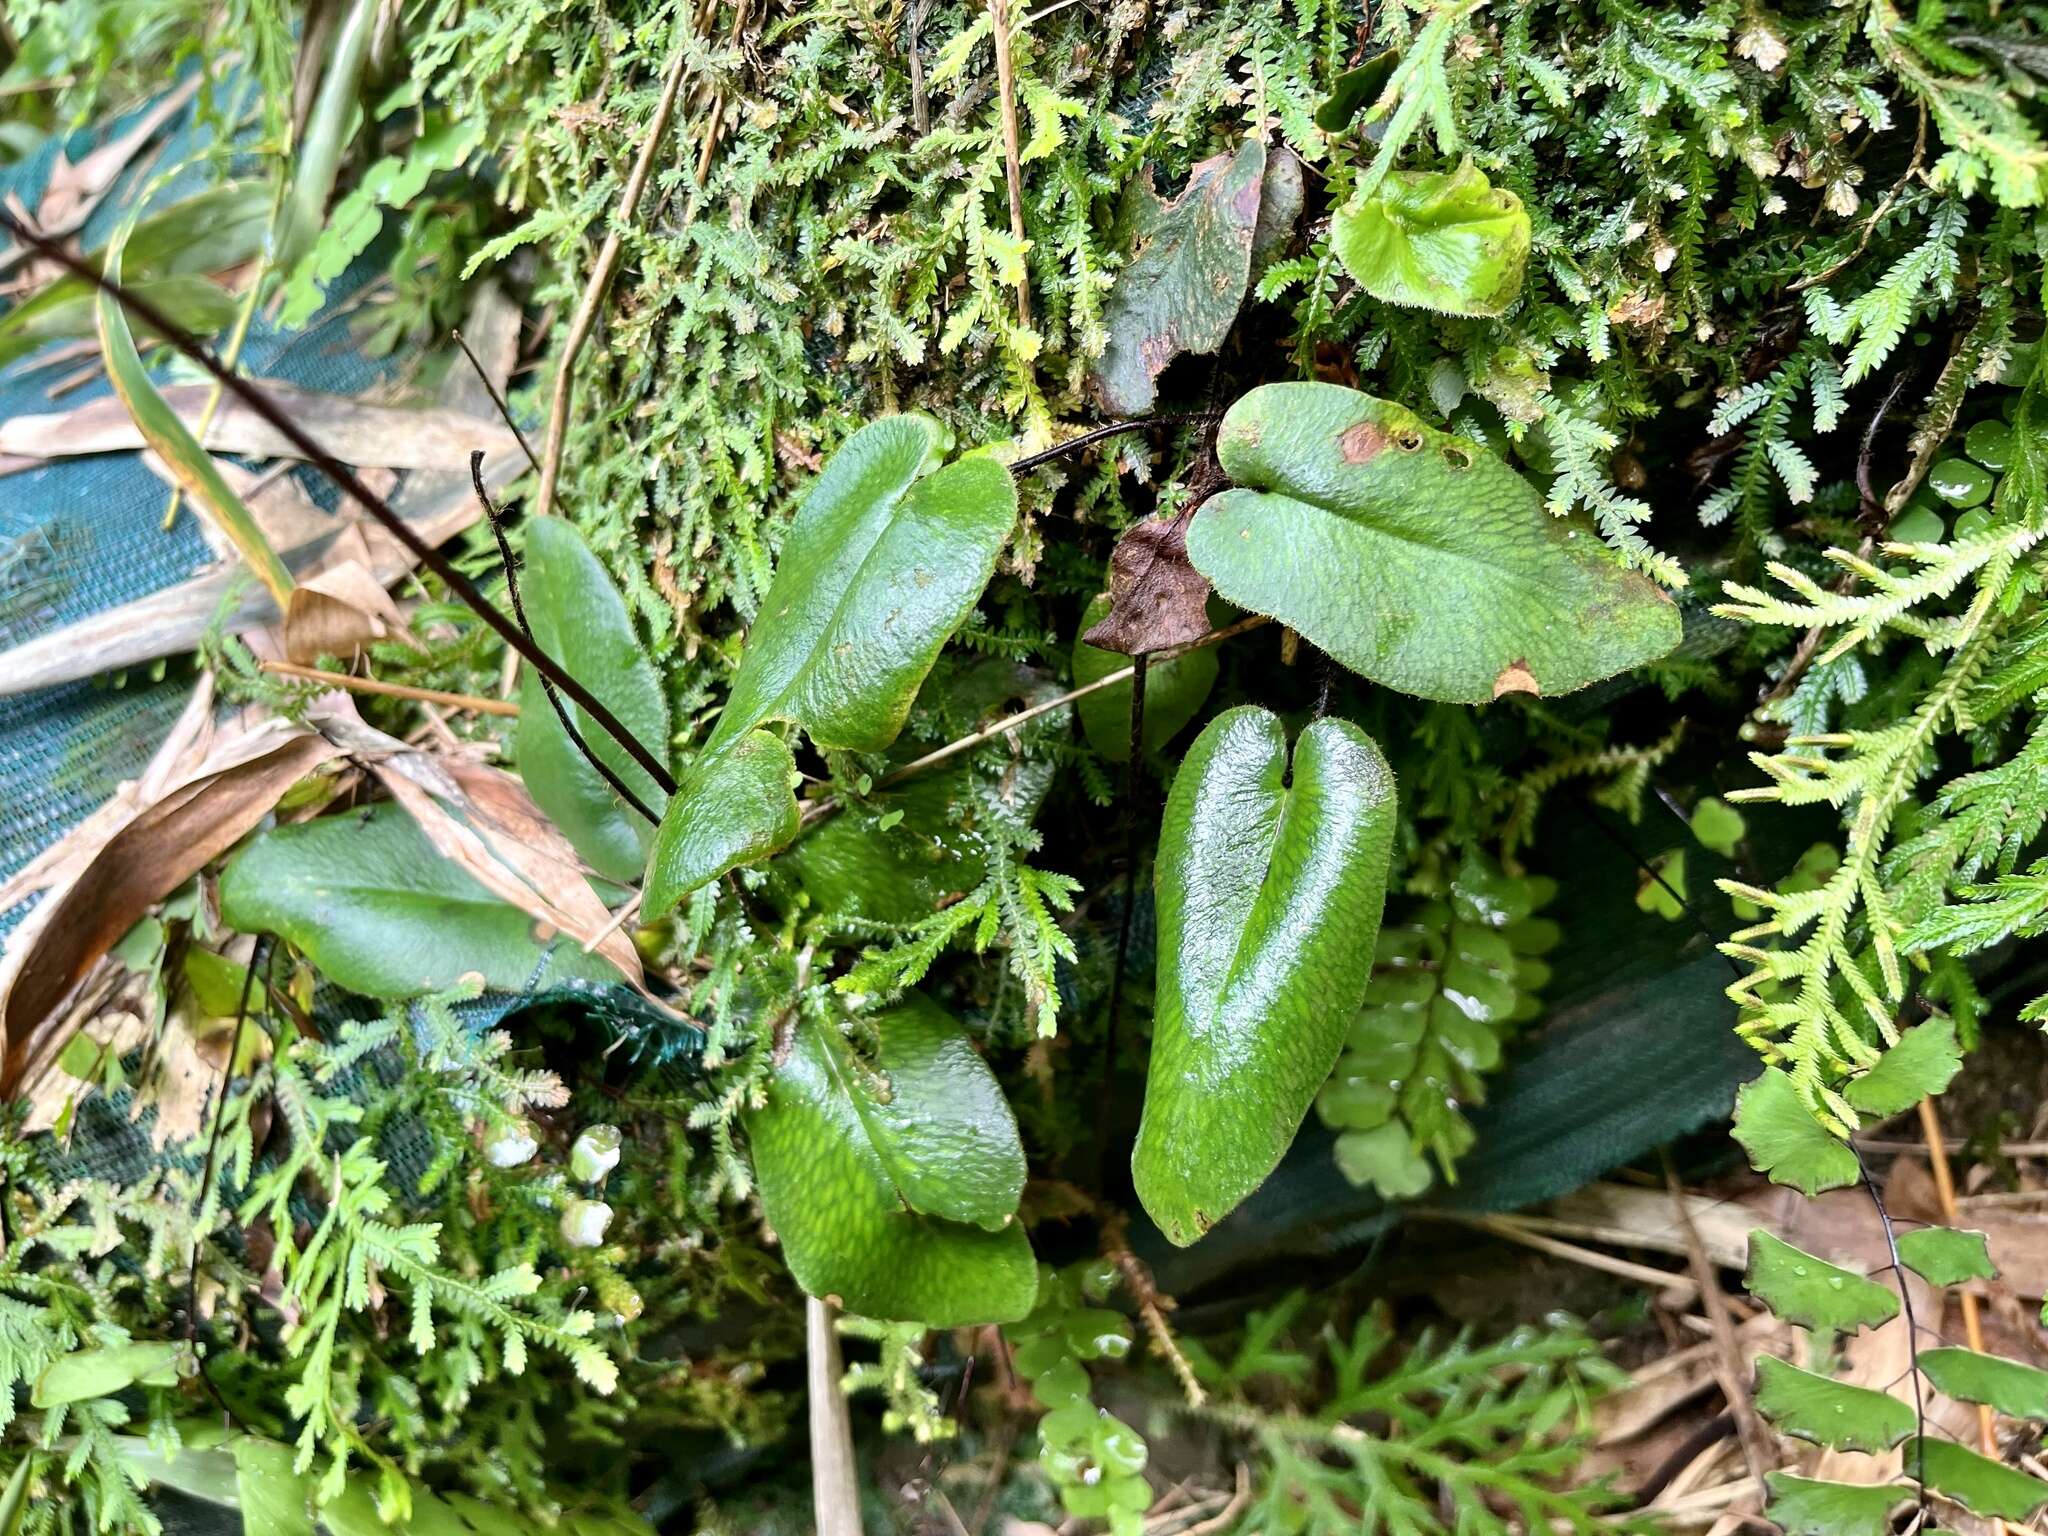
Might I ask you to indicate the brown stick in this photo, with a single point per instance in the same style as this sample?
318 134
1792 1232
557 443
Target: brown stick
1973 1325
1757 1448
835 1476
1013 166
467 701
584 321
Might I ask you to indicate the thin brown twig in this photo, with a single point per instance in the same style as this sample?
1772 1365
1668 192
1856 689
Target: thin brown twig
350 484
584 321
1152 1306
374 685
1013 165
497 399
1757 1448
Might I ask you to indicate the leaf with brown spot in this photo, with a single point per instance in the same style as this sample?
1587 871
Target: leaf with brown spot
1186 281
1516 677
1156 598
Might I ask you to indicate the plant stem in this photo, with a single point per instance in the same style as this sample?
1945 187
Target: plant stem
584 321
377 686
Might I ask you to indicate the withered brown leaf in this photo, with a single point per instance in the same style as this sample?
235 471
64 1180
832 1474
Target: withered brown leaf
1156 598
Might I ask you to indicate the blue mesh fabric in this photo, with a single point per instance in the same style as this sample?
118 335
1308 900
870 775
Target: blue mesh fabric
80 536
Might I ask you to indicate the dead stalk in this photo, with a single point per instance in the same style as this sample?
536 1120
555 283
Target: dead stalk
467 701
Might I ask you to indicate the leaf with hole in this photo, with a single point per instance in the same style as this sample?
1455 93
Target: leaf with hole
1415 558
1784 1140
2016 1390
1811 1292
1176 688
1829 1412
1920 1064
1804 1506
1983 1486
381 913
1269 885
892 1184
1181 290
579 618
1446 241
1946 1256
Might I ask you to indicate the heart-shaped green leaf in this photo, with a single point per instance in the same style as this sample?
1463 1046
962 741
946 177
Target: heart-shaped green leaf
1269 887
1185 281
579 618
729 810
1415 558
882 562
380 912
1445 241
893 1185
1784 1140
1175 690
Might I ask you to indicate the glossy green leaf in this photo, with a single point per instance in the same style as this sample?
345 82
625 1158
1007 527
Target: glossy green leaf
1922 1063
1444 241
884 559
730 809
1415 558
380 912
1355 90
1785 1141
1269 886
1804 1506
1181 290
1812 1292
2016 1390
14 1497
579 618
1945 1256
1175 691
1983 1486
165 432
88 1373
881 563
891 1184
1829 1412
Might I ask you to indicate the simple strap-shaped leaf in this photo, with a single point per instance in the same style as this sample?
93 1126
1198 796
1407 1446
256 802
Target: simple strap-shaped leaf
1183 287
1812 1292
1175 690
89 1373
1922 1063
882 562
1444 241
1829 1412
579 618
380 912
1415 558
161 427
1985 1487
2016 1390
738 808
1783 1139
1804 1506
1269 893
890 1184
1945 1256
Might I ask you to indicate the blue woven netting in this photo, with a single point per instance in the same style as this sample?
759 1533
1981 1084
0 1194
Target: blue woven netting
79 536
